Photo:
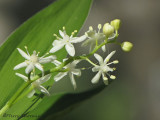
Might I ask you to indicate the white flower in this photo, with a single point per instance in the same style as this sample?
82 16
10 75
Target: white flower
67 42
103 68
33 61
36 84
95 37
71 71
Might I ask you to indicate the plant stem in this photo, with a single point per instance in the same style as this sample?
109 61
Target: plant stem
13 98
24 94
90 62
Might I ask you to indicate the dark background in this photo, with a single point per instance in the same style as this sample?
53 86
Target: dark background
135 94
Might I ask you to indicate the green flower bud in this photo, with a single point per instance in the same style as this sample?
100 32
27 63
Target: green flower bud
126 46
116 24
108 29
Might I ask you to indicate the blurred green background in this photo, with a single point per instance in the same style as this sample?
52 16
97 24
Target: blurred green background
135 94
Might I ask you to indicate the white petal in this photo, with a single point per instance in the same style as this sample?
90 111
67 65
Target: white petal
73 80
104 48
36 83
70 49
39 66
65 59
23 54
43 90
96 77
109 56
99 58
101 37
75 62
96 68
56 42
47 59
22 76
31 94
29 68
85 43
78 39
76 72
61 33
92 46
107 68
56 62
60 76
21 65
56 48
44 79
91 33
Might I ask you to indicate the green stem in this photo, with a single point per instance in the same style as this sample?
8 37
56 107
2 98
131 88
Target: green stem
90 62
13 98
24 94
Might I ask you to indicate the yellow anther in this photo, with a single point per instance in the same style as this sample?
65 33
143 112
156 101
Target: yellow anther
25 47
72 33
83 68
86 34
114 68
113 77
105 78
99 26
38 53
55 35
115 62
91 28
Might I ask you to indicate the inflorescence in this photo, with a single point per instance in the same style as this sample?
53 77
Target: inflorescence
106 34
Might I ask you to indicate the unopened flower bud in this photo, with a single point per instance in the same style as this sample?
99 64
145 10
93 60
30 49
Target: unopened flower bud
108 29
116 24
126 46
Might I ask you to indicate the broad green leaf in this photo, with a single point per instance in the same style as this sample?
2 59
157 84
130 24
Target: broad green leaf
37 34
68 102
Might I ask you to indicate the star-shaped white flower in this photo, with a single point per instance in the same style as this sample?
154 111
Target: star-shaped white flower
36 84
71 71
95 37
67 42
33 61
103 68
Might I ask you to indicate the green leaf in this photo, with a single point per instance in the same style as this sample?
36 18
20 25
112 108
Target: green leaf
37 34
68 102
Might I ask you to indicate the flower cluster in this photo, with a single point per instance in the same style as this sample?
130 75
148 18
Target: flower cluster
92 38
